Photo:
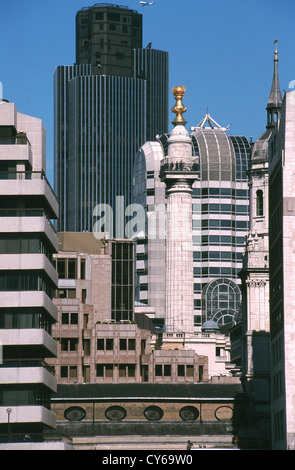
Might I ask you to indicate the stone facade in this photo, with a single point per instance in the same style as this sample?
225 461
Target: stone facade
282 296
153 416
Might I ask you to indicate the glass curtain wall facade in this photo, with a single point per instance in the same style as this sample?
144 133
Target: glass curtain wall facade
105 125
152 66
220 224
103 116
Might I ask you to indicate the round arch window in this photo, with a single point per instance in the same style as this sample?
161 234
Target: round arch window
75 413
153 413
221 300
115 413
224 413
189 413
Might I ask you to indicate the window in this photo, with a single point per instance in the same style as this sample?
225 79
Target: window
74 318
100 344
66 293
158 370
82 270
131 344
131 370
109 344
180 370
65 318
189 370
201 372
123 344
72 269
122 370
25 317
66 268
69 318
167 370
259 203
61 268
69 344
64 372
24 280
109 370
104 370
73 371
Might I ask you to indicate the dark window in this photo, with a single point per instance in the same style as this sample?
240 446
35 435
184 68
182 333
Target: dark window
180 370
82 272
109 344
259 203
74 318
100 344
131 344
167 370
123 344
65 318
72 268
61 268
158 370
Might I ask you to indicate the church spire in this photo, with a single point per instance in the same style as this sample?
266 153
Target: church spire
275 98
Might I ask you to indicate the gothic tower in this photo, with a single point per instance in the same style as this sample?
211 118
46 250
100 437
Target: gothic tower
255 273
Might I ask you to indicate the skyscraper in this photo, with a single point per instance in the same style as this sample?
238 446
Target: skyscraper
103 113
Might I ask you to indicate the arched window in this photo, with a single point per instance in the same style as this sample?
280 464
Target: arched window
259 203
221 300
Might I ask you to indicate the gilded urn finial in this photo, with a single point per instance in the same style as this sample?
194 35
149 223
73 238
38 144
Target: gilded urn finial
276 51
178 108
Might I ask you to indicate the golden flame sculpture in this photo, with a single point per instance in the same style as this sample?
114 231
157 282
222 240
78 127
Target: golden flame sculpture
178 108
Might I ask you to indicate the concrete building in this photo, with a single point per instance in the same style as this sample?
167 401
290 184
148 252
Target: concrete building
27 279
106 106
101 336
281 275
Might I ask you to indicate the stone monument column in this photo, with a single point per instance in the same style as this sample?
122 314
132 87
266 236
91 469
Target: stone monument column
179 171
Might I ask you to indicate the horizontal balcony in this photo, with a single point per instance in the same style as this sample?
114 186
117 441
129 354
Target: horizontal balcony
30 337
34 183
35 299
30 371
33 414
11 151
28 221
27 261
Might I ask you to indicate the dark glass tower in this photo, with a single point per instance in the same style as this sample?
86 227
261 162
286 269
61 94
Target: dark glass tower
106 106
105 38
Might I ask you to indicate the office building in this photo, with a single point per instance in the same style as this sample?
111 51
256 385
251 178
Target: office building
102 337
220 221
106 106
27 279
281 275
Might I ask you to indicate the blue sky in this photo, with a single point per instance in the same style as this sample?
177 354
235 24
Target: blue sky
221 51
